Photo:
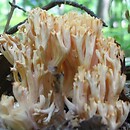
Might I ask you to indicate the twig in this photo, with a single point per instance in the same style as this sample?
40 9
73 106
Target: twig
14 29
53 4
15 6
74 4
9 16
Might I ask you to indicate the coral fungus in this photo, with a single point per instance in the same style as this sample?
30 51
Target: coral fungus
57 58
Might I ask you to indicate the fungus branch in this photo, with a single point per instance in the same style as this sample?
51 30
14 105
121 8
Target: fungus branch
91 65
51 5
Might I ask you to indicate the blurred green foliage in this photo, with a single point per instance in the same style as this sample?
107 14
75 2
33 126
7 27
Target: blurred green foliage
118 24
116 18
127 15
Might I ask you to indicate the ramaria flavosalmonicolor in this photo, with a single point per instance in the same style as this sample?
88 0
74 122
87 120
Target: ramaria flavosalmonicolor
57 58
